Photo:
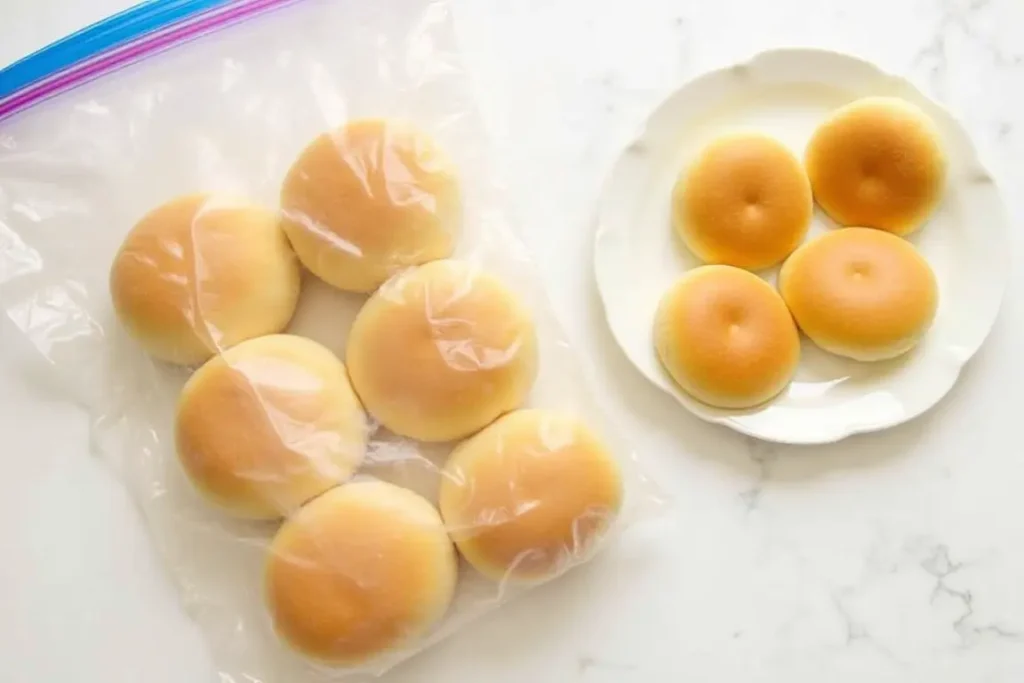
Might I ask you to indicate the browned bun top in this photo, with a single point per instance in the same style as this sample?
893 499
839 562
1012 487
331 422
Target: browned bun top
200 274
441 351
529 495
725 337
369 199
745 202
877 162
859 292
358 572
268 425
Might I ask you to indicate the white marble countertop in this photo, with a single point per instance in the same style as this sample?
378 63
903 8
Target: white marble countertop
895 557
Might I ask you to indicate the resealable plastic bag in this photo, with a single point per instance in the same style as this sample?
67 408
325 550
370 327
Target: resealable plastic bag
206 394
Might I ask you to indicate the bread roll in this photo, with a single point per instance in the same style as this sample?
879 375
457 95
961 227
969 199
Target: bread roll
268 425
441 351
878 163
744 202
529 495
725 337
861 293
359 572
200 274
369 199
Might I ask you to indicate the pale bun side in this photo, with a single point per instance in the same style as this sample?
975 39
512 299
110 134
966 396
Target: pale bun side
268 425
366 200
441 351
530 495
725 337
861 293
359 572
745 201
877 162
200 274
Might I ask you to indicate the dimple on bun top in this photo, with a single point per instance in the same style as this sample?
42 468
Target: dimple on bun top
202 273
442 350
877 162
745 201
369 199
529 495
725 337
359 572
268 425
860 293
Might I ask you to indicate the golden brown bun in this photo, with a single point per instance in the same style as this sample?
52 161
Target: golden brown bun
861 293
268 425
744 202
529 495
369 199
442 350
878 163
725 337
200 274
358 572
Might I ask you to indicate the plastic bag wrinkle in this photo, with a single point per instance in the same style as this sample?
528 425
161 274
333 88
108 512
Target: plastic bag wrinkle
227 116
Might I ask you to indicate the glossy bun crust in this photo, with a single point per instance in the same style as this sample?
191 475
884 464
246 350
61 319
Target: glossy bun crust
860 293
878 162
441 351
369 199
725 337
529 495
200 274
359 572
745 202
268 425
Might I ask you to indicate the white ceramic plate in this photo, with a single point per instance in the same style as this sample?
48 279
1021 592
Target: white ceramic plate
786 93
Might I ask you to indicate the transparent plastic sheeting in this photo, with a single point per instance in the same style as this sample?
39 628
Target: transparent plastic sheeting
270 258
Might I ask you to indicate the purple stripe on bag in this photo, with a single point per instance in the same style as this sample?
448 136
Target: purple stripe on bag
150 44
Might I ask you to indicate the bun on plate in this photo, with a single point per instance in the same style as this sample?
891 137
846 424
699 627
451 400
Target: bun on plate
745 201
861 293
878 163
725 337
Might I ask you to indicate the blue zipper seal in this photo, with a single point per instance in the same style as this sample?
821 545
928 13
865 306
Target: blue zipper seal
122 28
125 38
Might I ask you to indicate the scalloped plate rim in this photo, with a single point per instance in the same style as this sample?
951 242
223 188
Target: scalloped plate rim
941 386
